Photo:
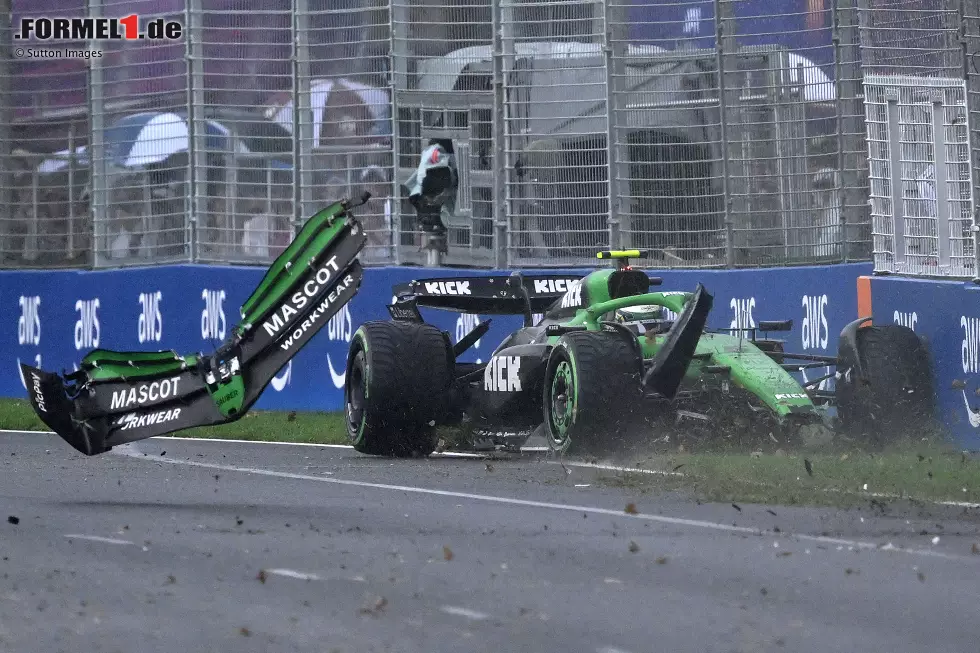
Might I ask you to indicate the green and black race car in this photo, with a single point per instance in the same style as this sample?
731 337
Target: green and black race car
606 357
306 285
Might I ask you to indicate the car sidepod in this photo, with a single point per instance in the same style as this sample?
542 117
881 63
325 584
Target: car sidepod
510 391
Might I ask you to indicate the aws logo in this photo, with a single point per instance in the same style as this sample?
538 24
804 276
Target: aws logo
214 326
150 327
742 314
970 360
340 328
815 333
88 330
465 323
29 329
908 320
29 323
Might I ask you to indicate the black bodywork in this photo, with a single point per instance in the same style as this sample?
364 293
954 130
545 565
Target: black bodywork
503 396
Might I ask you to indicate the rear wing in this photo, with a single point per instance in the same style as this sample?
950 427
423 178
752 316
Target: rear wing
488 295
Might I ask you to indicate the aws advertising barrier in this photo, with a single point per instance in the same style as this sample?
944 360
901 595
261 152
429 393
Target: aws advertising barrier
51 319
946 314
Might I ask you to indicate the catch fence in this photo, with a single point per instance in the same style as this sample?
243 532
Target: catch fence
716 133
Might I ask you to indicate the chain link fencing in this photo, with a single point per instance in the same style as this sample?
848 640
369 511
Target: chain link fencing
919 143
715 133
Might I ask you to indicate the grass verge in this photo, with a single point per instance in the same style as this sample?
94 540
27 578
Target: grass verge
275 426
924 470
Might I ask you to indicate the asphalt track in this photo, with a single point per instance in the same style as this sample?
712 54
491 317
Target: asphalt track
159 546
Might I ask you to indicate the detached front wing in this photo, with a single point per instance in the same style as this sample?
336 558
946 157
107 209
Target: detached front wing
94 420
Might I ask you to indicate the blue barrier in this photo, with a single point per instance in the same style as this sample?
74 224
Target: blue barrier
60 315
946 314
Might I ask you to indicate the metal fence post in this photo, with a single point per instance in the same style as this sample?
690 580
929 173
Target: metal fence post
501 237
97 151
892 98
398 80
197 189
613 158
938 116
302 115
6 125
969 15
839 107
722 40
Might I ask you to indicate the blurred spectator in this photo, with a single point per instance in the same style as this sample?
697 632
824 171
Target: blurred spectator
376 214
125 221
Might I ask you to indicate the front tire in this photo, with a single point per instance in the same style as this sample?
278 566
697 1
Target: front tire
592 385
397 388
894 396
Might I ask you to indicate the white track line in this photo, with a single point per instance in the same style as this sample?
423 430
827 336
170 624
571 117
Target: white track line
464 612
126 450
97 538
462 454
289 573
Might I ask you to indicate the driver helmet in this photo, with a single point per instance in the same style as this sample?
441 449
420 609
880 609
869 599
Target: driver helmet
638 314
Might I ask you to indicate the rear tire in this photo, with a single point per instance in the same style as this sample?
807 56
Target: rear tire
894 396
397 387
592 385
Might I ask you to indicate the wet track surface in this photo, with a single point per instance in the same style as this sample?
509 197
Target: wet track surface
135 550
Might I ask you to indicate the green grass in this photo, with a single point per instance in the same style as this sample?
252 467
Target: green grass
926 469
317 428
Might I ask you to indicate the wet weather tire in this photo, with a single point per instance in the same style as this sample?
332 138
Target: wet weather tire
591 386
397 387
894 395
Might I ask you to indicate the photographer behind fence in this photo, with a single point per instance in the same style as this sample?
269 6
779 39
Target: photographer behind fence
432 190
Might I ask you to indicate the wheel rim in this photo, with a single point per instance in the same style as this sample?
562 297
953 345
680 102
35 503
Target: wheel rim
355 397
561 403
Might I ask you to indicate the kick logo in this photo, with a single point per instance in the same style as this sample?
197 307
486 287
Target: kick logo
340 328
573 296
87 328
502 374
448 287
552 286
213 323
792 395
150 327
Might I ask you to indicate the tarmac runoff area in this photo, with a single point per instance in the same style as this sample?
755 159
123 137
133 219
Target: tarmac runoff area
172 544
